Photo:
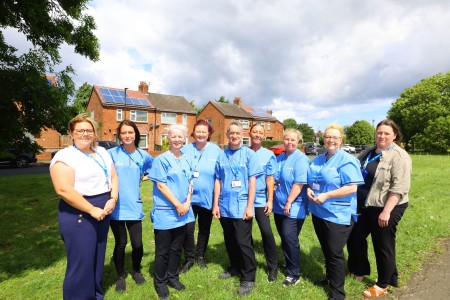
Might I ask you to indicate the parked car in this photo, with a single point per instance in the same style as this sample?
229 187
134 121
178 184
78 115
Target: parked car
360 148
320 150
20 159
277 149
349 148
311 148
105 144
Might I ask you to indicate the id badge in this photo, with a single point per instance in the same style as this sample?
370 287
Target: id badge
316 186
196 174
236 183
364 173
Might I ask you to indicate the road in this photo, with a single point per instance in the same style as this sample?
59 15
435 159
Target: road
33 169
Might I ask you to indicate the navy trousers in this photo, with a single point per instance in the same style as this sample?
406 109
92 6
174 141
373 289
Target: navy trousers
85 240
270 247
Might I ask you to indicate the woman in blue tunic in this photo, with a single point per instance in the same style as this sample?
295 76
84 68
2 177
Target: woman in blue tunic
131 164
290 202
171 174
204 155
333 178
234 196
264 198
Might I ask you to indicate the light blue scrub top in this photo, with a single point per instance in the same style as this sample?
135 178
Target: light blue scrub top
167 170
292 170
268 163
204 162
129 170
240 164
341 169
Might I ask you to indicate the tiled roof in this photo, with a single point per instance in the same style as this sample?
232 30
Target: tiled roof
258 113
170 103
231 110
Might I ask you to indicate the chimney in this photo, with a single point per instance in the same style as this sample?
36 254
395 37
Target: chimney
269 111
238 101
143 87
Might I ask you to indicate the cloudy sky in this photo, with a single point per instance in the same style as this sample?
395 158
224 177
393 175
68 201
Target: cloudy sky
314 61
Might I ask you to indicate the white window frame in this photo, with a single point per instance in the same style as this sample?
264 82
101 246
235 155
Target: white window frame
143 143
92 114
184 119
244 123
138 116
268 126
261 123
119 114
168 118
164 136
246 141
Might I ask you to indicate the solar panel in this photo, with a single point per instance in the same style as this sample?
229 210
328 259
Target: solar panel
261 113
117 96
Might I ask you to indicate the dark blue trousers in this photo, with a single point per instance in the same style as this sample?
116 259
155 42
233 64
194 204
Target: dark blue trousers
85 240
289 229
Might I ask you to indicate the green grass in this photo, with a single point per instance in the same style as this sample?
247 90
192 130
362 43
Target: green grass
32 254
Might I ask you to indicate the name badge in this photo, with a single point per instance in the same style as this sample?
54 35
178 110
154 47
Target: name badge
316 186
196 174
236 183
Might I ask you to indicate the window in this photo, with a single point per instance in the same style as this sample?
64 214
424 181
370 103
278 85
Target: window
143 143
138 116
169 118
119 115
163 137
244 123
261 123
184 119
209 121
92 115
268 125
246 141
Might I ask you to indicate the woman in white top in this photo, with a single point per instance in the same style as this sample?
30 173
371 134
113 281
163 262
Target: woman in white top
85 178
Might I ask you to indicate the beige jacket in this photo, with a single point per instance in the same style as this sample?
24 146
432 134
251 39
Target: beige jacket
393 175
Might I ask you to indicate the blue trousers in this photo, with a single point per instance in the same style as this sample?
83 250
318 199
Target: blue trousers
85 240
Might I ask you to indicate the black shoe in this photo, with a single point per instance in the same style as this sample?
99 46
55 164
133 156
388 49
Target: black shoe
246 287
201 263
138 278
323 282
187 265
228 274
290 281
177 285
163 292
121 285
272 275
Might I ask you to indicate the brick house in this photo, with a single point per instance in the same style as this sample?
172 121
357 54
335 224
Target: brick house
151 112
220 115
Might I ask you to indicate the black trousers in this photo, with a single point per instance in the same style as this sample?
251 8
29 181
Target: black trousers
289 229
332 238
119 229
238 242
204 217
168 244
383 240
269 245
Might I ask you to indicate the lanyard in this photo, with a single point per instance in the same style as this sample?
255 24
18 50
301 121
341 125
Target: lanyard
103 166
235 170
141 164
200 157
188 176
369 160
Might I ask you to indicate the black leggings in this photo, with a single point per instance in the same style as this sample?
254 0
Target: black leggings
119 229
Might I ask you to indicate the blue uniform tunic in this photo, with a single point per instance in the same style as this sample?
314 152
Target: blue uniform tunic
268 163
204 162
292 170
340 170
176 175
129 168
235 165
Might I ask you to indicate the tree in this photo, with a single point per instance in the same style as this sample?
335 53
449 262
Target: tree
304 128
82 97
223 100
290 123
27 101
360 133
197 109
419 106
436 135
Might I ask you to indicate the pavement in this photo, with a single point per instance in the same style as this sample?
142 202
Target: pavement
32 169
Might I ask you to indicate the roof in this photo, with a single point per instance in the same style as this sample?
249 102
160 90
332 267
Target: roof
171 103
258 113
116 97
231 110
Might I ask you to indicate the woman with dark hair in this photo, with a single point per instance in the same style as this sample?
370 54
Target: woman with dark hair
131 164
204 155
382 200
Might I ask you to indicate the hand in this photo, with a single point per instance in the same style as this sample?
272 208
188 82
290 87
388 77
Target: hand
216 212
97 213
182 209
109 206
268 208
310 194
383 219
321 198
248 213
287 209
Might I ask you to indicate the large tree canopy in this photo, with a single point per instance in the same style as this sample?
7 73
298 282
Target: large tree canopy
360 133
82 97
420 107
27 101
304 128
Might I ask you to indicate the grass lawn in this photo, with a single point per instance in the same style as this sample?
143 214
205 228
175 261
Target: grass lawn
32 254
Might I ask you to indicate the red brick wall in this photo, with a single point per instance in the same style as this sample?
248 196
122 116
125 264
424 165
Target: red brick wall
217 122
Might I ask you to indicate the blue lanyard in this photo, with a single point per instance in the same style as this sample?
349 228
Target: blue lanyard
369 160
186 174
140 165
235 170
200 157
104 168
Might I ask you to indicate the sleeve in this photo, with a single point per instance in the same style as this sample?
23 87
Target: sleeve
158 172
401 175
350 172
217 167
271 166
301 167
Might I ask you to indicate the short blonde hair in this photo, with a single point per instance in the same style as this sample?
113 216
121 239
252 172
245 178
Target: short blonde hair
293 130
84 118
339 128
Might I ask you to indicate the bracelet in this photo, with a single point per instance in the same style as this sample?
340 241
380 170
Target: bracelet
115 199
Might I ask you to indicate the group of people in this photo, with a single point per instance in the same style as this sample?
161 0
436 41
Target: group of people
349 198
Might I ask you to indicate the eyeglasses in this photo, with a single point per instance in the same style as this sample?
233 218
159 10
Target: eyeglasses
83 131
334 138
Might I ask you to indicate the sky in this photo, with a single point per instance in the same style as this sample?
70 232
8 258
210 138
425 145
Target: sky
315 61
